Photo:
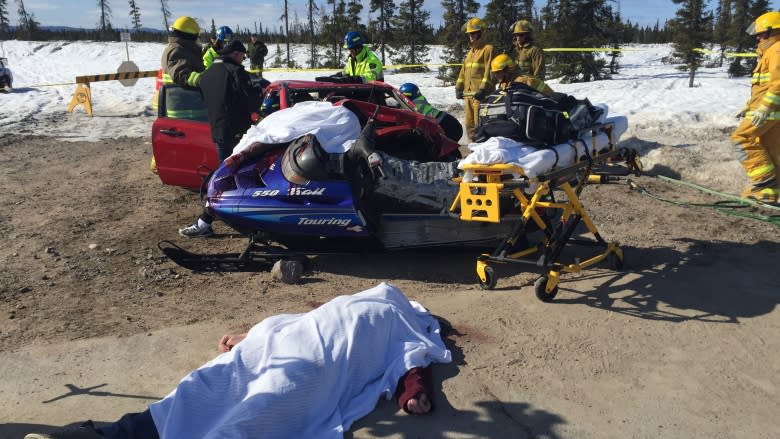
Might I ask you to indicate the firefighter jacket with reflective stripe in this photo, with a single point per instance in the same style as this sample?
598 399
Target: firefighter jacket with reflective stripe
366 65
209 56
765 85
181 62
534 83
530 59
475 73
424 107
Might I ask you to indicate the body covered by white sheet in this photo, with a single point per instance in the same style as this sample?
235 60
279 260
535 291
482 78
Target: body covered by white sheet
305 375
535 161
335 127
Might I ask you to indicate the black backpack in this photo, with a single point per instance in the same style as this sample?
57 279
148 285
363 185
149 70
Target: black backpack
523 114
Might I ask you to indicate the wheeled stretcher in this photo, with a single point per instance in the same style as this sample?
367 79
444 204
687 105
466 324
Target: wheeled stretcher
546 201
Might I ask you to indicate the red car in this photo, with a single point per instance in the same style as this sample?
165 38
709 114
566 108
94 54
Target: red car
181 139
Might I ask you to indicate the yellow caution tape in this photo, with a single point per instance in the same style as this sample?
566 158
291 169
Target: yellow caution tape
731 54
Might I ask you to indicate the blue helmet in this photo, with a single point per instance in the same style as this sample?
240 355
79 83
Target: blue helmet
270 104
410 90
353 40
224 33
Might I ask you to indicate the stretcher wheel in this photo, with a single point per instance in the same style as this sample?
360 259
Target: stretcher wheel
615 261
541 291
490 279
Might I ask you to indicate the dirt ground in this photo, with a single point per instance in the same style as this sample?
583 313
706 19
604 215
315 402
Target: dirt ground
682 343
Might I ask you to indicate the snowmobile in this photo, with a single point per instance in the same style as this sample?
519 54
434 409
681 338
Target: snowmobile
392 189
6 77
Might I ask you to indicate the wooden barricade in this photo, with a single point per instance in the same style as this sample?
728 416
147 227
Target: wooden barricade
82 95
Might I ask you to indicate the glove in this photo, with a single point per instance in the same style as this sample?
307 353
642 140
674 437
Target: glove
742 112
759 116
480 94
458 94
353 80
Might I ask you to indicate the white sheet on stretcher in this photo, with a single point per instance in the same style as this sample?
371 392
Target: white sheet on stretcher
535 161
335 127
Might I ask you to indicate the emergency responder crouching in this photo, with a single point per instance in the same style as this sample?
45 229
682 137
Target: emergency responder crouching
224 35
530 56
452 128
362 61
474 81
506 73
757 138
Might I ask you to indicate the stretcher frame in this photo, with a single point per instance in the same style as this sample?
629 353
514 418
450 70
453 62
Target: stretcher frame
534 199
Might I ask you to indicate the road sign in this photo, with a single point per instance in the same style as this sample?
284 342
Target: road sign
127 67
124 36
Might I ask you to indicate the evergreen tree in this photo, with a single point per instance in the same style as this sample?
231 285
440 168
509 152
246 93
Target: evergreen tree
5 25
587 23
456 13
353 15
105 15
311 10
499 17
166 13
135 16
286 15
383 28
28 27
720 34
412 34
690 30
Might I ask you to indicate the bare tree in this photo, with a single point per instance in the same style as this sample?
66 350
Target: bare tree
166 13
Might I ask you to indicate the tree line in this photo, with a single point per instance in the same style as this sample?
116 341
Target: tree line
400 31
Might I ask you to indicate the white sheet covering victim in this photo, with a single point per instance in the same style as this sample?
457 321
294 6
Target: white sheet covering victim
335 127
305 375
536 161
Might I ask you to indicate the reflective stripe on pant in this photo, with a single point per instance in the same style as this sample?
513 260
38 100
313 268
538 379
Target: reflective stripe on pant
472 115
753 148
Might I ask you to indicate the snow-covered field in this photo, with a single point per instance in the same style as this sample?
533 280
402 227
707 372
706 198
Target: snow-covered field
679 130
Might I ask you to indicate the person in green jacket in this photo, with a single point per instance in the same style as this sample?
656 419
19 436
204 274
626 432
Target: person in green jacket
224 35
362 61
256 51
452 128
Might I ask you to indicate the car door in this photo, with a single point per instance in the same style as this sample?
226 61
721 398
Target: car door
181 138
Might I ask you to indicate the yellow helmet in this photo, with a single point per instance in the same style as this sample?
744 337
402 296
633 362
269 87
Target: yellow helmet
501 62
473 25
766 22
522 27
185 24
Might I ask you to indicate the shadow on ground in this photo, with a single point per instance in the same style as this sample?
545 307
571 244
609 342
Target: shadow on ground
698 284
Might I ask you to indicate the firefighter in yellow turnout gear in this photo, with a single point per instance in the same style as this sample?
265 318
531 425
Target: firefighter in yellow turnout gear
506 74
474 81
530 57
757 137
181 61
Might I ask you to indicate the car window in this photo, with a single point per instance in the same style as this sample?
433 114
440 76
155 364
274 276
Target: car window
184 103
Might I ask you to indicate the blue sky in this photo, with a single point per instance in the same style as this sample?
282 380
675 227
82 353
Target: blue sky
84 13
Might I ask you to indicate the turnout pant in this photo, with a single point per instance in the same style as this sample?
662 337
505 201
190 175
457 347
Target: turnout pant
758 149
472 115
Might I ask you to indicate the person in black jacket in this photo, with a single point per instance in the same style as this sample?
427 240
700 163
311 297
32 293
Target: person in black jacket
230 101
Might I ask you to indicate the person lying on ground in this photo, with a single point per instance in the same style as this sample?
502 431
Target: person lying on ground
298 375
